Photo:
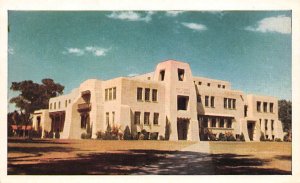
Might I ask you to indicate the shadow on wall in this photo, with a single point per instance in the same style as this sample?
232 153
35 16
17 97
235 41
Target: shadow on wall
149 162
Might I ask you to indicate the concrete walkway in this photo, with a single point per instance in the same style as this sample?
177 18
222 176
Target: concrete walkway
202 147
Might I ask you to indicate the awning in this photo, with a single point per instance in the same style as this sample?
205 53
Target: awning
219 115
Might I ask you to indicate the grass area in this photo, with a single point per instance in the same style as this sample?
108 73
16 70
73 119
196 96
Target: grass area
72 157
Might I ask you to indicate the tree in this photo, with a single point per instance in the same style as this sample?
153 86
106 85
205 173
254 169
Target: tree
33 96
285 114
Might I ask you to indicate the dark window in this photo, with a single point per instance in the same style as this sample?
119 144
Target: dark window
147 94
84 120
245 111
260 122
106 94
137 116
225 103
265 106
206 101
212 101
213 122
208 84
162 75
182 102
229 123
205 122
139 93
38 121
69 100
266 124
114 93
223 86
66 103
271 107
200 83
110 93
50 105
155 118
146 118
258 104
233 103
222 122
180 74
272 124
154 95
107 118
199 99
219 86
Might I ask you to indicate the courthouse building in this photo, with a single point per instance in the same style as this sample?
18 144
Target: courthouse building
170 98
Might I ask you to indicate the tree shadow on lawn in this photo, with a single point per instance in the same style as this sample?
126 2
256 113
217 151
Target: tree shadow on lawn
150 162
39 141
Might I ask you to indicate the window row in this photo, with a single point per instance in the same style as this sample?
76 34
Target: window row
110 93
137 118
264 105
229 103
110 120
208 84
266 124
215 122
139 94
209 101
180 73
53 105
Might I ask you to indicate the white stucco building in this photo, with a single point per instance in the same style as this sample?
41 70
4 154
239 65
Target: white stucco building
170 97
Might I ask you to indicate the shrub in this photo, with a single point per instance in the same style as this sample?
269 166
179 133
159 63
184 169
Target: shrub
100 135
154 136
161 137
242 137
48 134
288 136
36 134
127 134
222 137
141 137
262 137
85 135
211 136
145 135
278 140
229 136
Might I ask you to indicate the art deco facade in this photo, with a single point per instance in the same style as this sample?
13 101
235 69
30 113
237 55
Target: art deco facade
168 98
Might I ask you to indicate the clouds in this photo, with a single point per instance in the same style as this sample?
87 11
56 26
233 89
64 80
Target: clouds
173 13
11 51
280 24
131 16
96 51
194 26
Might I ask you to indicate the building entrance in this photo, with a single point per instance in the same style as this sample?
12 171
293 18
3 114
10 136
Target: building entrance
182 128
250 127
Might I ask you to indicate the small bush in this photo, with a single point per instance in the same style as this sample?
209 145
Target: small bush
278 140
161 137
262 137
85 135
222 137
48 134
154 136
100 135
127 134
242 137
141 137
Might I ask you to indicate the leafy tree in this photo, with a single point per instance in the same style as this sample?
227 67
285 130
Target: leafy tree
34 96
285 114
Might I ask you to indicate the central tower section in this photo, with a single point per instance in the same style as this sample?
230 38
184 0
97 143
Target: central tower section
180 100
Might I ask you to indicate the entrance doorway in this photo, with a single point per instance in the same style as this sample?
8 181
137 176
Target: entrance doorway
250 127
182 128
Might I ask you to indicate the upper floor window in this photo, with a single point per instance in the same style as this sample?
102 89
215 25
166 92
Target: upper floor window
162 75
154 95
137 117
208 84
265 104
106 94
233 103
155 118
212 101
206 101
223 86
139 94
147 94
50 105
271 107
258 105
146 118
229 103
110 94
213 122
222 122
200 83
245 110
180 74
225 103
272 124
182 102
114 93
219 86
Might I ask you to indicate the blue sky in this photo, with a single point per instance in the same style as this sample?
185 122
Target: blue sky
251 49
